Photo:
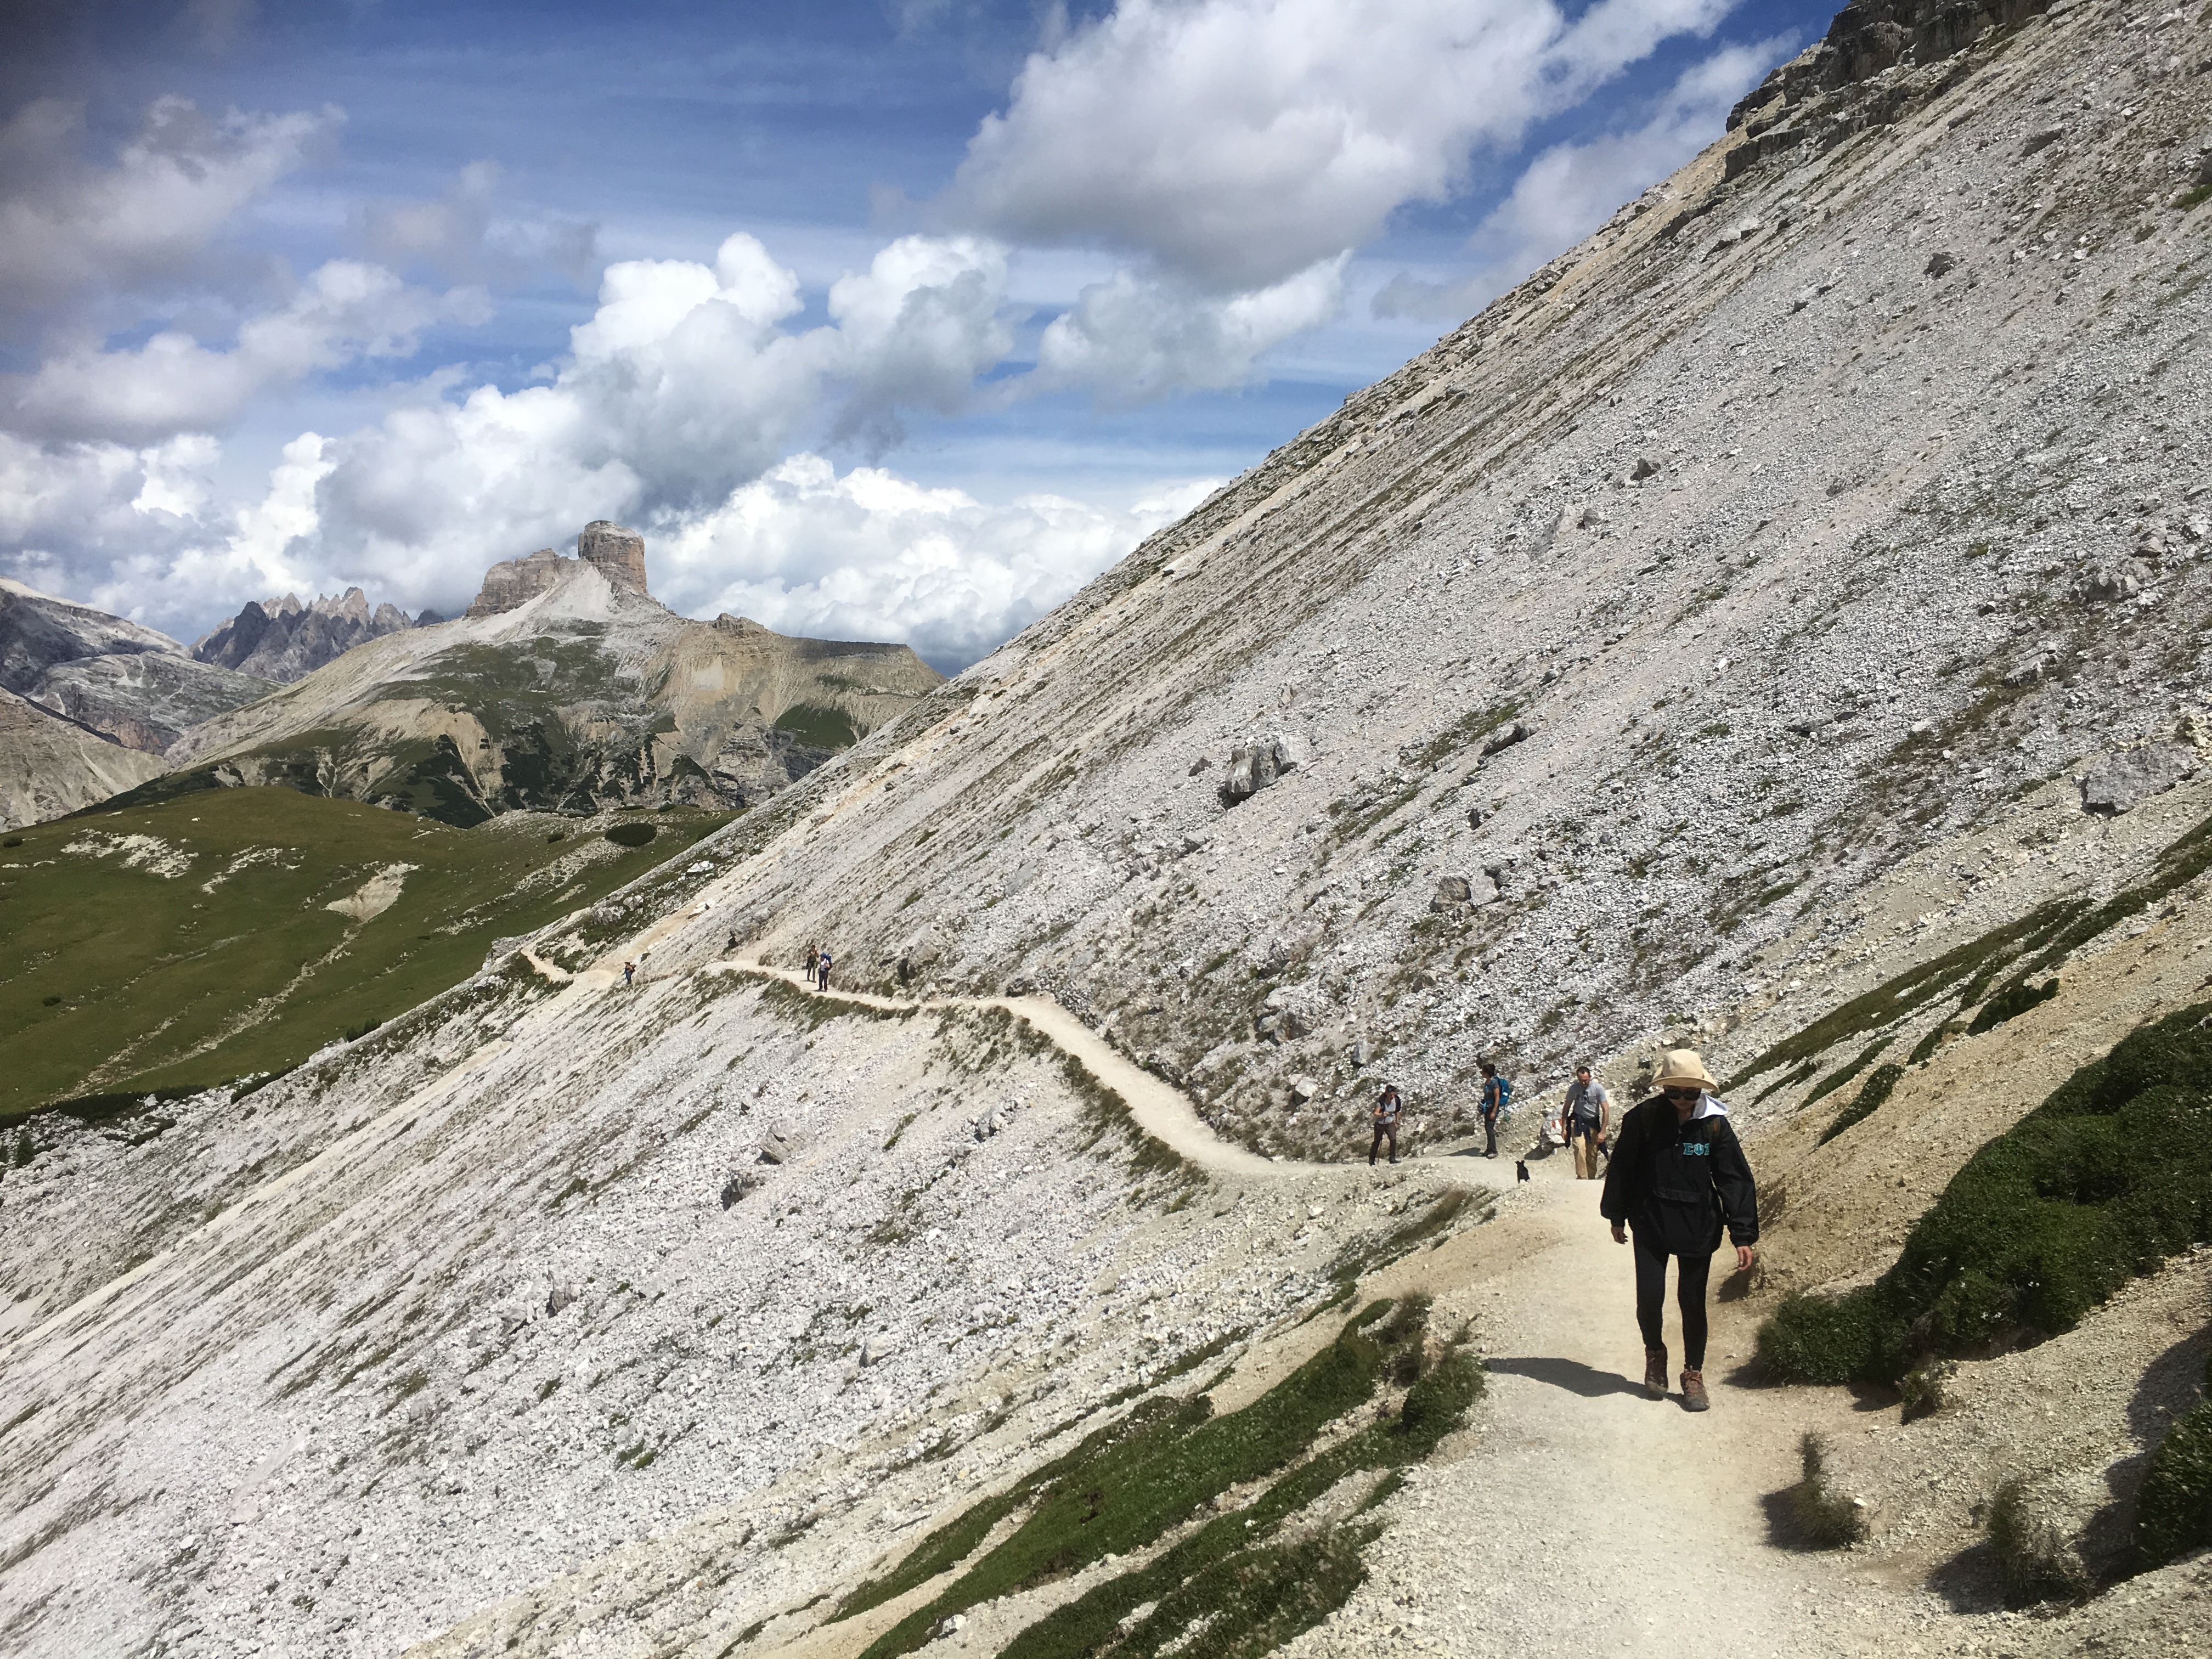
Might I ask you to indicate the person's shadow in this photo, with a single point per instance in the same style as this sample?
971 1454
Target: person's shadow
1571 1375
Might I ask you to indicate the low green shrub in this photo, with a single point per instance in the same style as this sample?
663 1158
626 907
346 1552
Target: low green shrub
2173 1509
2097 1185
1922 1391
2035 1562
1822 1517
1232 1587
1875 1091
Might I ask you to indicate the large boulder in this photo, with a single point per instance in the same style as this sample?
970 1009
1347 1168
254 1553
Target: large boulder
1256 765
2119 782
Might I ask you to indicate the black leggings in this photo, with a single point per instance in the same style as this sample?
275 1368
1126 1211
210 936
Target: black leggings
1689 1291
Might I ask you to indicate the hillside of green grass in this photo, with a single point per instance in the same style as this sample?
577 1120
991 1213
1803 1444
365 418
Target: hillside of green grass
191 942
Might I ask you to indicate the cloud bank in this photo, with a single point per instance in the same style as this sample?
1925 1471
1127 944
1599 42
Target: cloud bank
1225 162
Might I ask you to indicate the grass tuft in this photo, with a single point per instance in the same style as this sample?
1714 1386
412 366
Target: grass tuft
1822 1517
1233 1586
2035 1561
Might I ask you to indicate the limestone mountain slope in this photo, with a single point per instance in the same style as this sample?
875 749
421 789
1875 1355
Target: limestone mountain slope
566 686
51 766
281 640
1777 623
1568 686
105 678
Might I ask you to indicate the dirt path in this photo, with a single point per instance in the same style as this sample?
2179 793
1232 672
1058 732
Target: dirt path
1582 1517
1161 1110
1588 1519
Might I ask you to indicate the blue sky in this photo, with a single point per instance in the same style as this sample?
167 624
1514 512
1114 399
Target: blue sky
884 320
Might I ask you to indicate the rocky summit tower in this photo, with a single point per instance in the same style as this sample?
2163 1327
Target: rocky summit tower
615 550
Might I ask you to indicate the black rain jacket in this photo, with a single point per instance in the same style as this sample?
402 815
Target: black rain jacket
1675 1182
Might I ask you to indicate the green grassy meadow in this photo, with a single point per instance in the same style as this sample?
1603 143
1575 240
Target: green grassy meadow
187 942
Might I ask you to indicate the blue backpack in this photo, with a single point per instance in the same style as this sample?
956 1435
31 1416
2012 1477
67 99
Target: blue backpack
1505 1093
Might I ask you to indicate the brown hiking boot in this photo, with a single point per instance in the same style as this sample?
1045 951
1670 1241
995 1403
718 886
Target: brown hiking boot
1693 1392
1655 1372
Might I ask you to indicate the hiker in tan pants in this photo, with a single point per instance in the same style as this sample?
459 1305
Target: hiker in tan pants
1586 1118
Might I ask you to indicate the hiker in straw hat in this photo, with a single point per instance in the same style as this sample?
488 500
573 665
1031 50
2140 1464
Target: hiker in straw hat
1678 1173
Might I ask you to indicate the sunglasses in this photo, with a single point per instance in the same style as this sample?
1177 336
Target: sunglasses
1682 1094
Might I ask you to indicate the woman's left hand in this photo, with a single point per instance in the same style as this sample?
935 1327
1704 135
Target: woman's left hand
1745 1256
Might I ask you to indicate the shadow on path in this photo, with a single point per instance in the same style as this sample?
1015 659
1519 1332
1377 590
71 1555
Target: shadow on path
1571 1375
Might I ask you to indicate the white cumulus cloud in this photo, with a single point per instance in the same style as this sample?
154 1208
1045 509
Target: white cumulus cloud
684 383
1235 143
70 230
869 554
345 311
1133 338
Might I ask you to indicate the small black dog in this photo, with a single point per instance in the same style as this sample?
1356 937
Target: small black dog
1519 1169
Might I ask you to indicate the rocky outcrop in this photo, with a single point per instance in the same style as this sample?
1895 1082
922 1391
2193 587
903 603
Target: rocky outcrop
145 699
1256 765
282 639
51 766
2119 782
38 630
617 553
514 582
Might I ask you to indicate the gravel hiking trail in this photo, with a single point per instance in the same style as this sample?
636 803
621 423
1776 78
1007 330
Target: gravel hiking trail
1160 1109
1579 1516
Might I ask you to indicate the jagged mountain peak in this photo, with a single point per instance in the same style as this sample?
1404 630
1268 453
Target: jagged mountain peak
281 640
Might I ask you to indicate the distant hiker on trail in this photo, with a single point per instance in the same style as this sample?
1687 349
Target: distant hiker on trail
822 972
629 969
813 957
731 948
1497 1096
1678 1173
1589 1114
1386 1125
905 969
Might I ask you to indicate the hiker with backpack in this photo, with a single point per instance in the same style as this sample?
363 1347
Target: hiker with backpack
1497 1097
822 972
1386 1125
1679 1176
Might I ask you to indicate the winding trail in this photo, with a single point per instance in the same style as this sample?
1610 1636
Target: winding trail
1161 1110
1579 1516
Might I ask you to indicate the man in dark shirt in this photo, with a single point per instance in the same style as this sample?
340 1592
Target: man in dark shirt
1678 1173
1496 1092
1386 1125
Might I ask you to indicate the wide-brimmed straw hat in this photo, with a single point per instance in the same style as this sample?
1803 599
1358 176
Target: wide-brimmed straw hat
1680 1068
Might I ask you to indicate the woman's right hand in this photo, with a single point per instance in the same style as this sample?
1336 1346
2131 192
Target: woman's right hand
1619 1233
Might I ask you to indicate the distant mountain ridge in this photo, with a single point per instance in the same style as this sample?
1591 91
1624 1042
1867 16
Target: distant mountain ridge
567 686
85 684
283 640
